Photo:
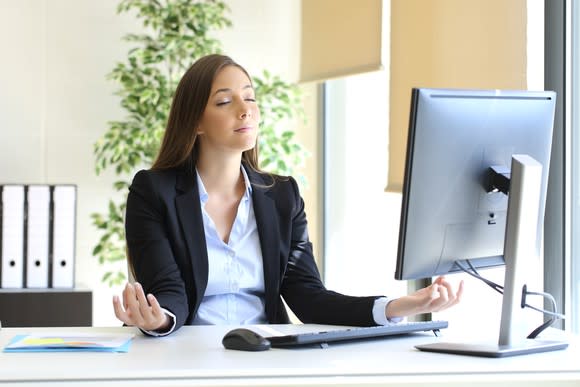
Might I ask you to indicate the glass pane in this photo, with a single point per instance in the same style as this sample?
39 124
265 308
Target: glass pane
361 219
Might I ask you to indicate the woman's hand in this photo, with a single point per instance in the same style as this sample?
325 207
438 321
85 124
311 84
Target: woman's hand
434 298
139 310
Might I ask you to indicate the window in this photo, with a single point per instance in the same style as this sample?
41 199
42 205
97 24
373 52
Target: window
361 221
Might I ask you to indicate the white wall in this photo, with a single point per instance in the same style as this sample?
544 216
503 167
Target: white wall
55 101
266 35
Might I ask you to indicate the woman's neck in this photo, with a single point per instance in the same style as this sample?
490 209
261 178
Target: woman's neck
220 176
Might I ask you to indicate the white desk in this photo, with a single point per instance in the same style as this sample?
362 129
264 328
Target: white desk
194 356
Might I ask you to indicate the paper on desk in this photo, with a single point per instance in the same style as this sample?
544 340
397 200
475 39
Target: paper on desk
68 342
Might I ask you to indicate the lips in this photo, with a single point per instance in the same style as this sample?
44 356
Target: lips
243 129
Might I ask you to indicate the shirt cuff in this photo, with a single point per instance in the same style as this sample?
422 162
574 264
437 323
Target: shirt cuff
379 312
166 332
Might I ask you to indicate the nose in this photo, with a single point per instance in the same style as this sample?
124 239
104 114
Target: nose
245 113
245 110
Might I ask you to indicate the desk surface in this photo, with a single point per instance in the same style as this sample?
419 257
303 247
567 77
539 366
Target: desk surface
195 356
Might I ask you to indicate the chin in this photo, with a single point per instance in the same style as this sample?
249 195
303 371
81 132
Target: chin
249 144
245 149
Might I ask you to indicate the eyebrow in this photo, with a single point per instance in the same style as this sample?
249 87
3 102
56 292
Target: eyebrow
227 90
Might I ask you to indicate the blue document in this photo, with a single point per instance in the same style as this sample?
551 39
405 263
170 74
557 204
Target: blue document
50 342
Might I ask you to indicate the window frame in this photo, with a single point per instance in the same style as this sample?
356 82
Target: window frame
561 245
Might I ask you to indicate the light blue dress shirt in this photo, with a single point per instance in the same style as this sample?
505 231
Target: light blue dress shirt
235 286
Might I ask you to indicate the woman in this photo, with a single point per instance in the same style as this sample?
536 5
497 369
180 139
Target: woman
214 240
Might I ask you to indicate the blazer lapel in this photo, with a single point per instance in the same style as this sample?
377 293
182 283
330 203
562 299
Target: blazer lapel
190 218
268 229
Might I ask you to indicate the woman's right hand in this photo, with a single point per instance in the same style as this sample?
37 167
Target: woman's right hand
139 310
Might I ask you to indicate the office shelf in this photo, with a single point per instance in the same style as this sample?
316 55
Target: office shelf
46 307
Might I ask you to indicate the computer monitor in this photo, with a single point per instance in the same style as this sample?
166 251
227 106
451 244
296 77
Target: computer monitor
462 147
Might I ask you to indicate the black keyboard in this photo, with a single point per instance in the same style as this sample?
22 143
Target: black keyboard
348 334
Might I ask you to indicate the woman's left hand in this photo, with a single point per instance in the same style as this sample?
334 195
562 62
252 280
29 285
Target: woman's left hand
436 297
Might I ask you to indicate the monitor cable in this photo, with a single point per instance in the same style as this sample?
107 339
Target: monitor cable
554 315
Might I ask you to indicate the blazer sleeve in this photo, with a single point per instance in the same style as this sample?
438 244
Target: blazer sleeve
148 246
302 287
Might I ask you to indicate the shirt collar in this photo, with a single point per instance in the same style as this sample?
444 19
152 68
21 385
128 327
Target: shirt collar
203 195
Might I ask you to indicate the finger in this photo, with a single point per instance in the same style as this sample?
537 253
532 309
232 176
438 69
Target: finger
128 294
144 308
157 311
153 317
459 293
433 291
132 308
453 297
155 307
119 310
442 298
442 281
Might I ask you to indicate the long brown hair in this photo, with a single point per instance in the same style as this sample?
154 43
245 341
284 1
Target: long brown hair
179 147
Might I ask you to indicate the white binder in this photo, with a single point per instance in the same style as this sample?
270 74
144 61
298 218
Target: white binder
37 242
12 236
63 235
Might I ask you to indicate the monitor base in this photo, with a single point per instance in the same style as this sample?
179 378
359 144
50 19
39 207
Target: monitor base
494 350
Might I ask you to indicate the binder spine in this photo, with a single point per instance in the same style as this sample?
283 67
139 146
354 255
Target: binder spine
63 236
37 236
13 232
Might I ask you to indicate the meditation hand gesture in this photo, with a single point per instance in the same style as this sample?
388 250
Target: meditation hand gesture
434 298
139 310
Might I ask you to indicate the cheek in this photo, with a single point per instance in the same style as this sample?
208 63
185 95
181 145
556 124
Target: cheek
209 119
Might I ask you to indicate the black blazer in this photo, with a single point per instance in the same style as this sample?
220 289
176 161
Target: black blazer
167 248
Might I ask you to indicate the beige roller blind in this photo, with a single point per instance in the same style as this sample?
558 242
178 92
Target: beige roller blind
450 44
340 37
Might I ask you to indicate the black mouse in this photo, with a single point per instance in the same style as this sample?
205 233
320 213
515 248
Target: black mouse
244 339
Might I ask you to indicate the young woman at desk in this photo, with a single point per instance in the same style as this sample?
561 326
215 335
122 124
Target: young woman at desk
212 239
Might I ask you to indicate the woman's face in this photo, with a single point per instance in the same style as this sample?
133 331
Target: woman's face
230 120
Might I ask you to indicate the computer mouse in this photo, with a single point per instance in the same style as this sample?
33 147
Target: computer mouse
244 339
